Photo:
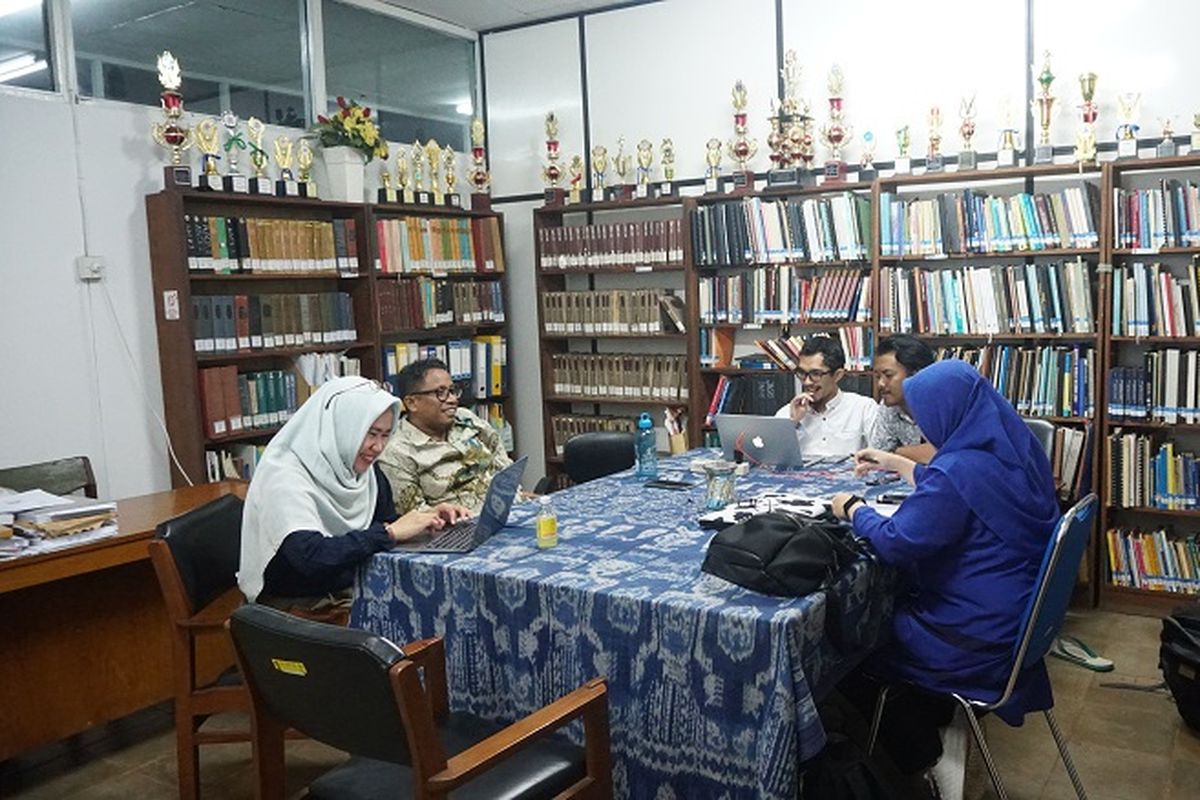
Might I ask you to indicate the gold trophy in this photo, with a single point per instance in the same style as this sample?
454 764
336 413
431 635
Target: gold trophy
387 192
418 173
304 163
433 159
1085 140
967 157
1127 131
741 147
286 186
712 172
903 163
551 171
404 189
866 164
235 181
260 183
667 187
208 139
1006 150
622 162
170 133
934 160
1166 148
791 135
837 131
645 160
479 177
1043 104
450 172
575 170
599 170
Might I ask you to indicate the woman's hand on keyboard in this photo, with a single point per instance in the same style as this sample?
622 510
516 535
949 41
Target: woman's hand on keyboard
451 513
414 523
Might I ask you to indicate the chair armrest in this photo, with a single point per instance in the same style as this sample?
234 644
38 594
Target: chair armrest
213 615
592 697
430 656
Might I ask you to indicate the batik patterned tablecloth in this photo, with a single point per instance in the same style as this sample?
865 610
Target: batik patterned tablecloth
711 686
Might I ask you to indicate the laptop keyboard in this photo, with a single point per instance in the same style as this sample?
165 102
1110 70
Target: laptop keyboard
457 536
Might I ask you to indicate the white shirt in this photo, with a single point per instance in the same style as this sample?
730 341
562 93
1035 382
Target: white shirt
840 429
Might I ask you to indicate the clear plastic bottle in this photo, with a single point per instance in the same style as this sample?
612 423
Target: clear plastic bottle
547 524
646 448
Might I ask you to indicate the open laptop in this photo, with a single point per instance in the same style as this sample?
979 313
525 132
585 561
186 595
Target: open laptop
770 441
465 535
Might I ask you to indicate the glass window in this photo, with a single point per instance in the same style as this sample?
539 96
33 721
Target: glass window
239 54
24 52
421 82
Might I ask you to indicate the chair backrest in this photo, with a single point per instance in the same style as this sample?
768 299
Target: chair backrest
206 546
61 476
329 682
1043 431
1047 606
593 455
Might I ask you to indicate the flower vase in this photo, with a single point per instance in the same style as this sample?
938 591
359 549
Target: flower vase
344 168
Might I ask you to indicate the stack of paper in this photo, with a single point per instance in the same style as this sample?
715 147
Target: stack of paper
76 515
39 522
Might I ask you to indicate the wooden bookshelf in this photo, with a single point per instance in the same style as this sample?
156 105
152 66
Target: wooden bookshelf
175 285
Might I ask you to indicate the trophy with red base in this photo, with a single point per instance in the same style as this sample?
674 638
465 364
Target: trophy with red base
552 173
836 131
741 147
967 157
478 176
170 133
1085 141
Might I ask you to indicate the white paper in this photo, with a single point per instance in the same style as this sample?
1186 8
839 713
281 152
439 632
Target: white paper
34 498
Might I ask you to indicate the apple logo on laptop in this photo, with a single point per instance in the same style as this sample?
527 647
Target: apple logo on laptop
758 442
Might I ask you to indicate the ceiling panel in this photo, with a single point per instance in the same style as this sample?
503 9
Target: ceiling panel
481 16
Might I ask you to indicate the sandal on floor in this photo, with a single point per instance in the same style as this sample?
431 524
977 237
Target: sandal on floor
1068 648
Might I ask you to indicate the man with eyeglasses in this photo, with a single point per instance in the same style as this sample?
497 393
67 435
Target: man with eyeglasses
829 422
440 452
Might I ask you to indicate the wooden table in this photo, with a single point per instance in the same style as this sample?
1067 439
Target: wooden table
84 637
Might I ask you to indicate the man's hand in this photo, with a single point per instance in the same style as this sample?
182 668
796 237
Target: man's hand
798 408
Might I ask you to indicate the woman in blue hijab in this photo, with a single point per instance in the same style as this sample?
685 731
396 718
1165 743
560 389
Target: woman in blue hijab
970 540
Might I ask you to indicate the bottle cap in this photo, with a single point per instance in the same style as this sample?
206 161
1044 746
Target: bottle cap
644 421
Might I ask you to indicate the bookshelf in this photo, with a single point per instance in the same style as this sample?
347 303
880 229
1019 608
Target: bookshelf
307 280
614 316
1149 523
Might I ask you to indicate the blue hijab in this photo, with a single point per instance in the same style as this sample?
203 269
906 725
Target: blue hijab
987 452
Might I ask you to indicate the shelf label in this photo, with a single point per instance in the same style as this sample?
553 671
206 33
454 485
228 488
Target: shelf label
171 304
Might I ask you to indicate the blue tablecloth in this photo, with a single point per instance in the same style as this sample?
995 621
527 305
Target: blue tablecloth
711 686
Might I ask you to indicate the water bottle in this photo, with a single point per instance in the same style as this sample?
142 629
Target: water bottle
646 445
547 524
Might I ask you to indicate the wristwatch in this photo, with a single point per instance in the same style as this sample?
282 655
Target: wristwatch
849 505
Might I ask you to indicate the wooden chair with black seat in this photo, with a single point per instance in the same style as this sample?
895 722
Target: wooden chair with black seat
588 456
195 557
61 476
362 694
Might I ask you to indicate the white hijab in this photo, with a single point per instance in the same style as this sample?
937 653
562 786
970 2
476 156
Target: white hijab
306 479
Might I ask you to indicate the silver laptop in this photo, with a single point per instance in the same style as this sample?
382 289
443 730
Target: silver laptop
770 441
465 535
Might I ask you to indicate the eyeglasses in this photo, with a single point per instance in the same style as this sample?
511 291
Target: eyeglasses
812 374
367 383
443 393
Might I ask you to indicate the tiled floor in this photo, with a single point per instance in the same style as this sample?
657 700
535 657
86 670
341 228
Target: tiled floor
1128 745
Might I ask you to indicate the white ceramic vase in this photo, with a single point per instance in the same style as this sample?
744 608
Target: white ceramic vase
344 167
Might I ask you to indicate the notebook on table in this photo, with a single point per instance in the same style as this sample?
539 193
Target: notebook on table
465 535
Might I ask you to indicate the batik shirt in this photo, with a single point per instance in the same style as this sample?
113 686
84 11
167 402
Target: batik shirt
425 471
894 428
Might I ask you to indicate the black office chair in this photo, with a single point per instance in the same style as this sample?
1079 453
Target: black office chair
593 455
362 694
1043 431
62 476
195 557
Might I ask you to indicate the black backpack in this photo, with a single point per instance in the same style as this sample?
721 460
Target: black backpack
1179 660
842 772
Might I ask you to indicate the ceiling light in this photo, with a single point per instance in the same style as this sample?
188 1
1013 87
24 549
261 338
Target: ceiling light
464 107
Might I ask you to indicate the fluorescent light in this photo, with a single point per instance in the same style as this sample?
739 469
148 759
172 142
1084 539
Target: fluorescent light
15 6
18 67
465 108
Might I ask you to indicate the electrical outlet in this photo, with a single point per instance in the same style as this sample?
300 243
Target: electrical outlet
89 269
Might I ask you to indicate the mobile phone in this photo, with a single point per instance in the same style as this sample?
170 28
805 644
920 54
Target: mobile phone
891 498
663 483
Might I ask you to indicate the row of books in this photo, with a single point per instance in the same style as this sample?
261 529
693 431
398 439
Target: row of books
858 345
422 303
1141 474
1151 300
241 323
622 376
616 311
971 221
567 426
1051 381
645 243
785 294
1070 461
481 363
1165 388
257 244
750 394
233 403
1166 216
438 244
762 231
1028 298
1155 559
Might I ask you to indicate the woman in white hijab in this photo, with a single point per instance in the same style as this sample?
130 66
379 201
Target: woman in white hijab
318 506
